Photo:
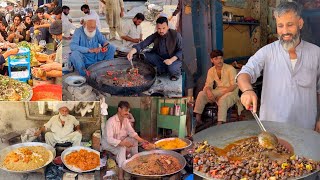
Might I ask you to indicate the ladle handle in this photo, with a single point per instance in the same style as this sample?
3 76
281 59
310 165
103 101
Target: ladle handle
131 63
258 121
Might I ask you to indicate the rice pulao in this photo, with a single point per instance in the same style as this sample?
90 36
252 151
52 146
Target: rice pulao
26 158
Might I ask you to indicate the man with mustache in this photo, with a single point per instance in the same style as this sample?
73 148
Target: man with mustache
132 32
67 22
166 53
90 14
63 127
291 72
220 88
121 137
85 47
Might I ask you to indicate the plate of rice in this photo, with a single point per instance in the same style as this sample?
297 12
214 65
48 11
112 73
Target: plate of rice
26 157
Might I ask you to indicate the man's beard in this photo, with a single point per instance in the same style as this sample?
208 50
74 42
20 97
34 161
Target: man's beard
62 117
65 13
90 34
289 44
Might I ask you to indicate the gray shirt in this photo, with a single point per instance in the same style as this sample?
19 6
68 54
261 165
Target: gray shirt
288 95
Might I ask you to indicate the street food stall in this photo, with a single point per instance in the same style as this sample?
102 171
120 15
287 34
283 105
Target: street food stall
25 80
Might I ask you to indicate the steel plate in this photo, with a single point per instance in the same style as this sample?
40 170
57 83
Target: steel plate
30 91
305 142
78 148
172 153
6 150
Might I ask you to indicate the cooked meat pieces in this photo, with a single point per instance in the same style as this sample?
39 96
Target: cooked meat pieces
246 159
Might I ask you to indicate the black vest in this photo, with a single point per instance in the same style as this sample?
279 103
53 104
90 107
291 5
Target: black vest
171 41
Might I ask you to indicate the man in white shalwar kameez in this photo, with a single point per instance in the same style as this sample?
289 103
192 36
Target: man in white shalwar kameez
121 137
67 25
62 127
291 74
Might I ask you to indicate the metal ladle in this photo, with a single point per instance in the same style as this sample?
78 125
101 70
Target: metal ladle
133 69
266 139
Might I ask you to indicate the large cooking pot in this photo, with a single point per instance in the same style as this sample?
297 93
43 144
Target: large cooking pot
181 159
6 150
98 71
305 142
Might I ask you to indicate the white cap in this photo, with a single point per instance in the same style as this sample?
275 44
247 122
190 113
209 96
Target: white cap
162 14
64 104
89 17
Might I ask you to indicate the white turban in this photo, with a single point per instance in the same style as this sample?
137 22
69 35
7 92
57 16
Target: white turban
64 104
89 17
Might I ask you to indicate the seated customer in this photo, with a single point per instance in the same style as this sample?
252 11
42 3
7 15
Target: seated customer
88 46
132 32
225 94
121 137
17 30
64 128
166 53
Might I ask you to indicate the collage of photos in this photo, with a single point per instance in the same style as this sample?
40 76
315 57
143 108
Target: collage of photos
159 89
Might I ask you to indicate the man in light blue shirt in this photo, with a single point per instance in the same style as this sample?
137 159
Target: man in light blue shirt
85 49
291 74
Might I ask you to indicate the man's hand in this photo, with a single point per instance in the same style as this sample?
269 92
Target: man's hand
52 57
225 90
168 61
46 67
317 127
131 53
210 95
248 99
95 50
126 143
137 40
37 133
121 14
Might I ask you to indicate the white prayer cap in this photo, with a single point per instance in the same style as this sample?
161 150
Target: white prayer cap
89 17
64 104
162 14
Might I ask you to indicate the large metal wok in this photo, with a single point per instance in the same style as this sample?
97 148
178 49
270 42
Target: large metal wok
181 159
5 151
77 148
305 142
98 72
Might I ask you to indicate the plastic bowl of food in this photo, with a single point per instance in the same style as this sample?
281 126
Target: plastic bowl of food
47 92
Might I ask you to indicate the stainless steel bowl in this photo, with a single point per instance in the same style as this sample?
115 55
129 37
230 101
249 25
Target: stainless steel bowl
189 143
78 148
5 151
180 158
75 80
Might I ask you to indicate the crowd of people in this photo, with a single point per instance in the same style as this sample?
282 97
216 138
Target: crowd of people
33 24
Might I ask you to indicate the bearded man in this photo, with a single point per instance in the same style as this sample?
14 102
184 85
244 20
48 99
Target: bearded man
291 72
88 46
63 127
